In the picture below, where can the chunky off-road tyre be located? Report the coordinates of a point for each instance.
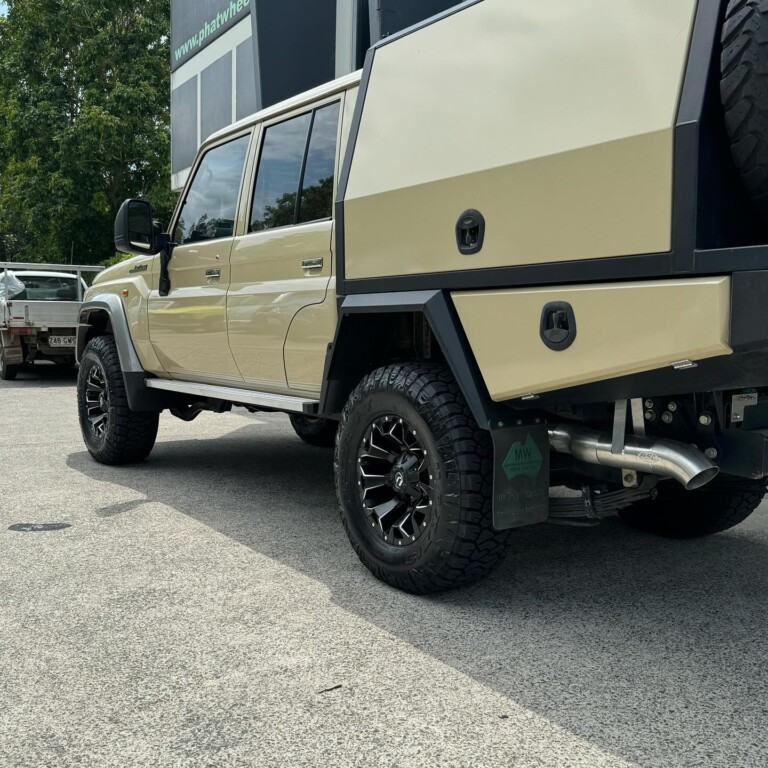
(318, 432)
(414, 476)
(680, 514)
(7, 372)
(744, 91)
(113, 433)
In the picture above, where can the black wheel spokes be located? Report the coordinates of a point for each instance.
(394, 481)
(97, 401)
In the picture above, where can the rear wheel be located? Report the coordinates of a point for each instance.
(680, 514)
(113, 433)
(744, 92)
(315, 431)
(414, 475)
(7, 372)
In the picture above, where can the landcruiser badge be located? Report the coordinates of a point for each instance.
(139, 268)
(523, 460)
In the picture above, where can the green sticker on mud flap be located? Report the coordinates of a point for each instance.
(521, 476)
(523, 459)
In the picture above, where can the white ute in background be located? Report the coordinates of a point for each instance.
(39, 313)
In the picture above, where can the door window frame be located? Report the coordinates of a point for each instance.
(249, 131)
(257, 145)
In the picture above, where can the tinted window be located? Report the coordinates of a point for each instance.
(211, 204)
(279, 178)
(277, 184)
(317, 189)
(48, 288)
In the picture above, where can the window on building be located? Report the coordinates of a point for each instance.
(210, 207)
(294, 183)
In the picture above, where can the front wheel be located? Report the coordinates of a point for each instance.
(414, 477)
(680, 514)
(113, 433)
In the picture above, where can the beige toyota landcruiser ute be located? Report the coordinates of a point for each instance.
(526, 248)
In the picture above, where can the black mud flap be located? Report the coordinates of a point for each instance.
(520, 476)
(743, 452)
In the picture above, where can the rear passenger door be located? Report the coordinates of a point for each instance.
(283, 263)
(187, 327)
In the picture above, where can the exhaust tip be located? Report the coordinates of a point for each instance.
(702, 478)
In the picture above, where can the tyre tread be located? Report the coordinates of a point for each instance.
(134, 432)
(477, 547)
(744, 93)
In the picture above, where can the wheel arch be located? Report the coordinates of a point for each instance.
(372, 331)
(105, 314)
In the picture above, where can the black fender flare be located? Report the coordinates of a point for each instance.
(105, 313)
(342, 371)
(110, 305)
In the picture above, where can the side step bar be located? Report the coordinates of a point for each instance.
(238, 396)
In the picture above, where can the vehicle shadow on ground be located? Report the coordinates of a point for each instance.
(42, 374)
(590, 628)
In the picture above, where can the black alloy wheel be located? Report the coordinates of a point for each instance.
(394, 481)
(97, 401)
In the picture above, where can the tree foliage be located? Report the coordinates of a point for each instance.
(84, 123)
(316, 204)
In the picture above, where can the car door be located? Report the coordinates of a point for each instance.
(283, 263)
(187, 328)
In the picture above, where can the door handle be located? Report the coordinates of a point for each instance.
(213, 273)
(312, 263)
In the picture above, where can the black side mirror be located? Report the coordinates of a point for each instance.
(134, 229)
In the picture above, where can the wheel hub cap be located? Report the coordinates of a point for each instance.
(394, 481)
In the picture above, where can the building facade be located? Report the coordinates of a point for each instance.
(231, 58)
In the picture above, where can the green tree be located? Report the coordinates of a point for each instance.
(84, 123)
(316, 204)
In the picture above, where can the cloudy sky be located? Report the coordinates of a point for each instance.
(3, 8)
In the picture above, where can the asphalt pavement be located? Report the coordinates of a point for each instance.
(205, 609)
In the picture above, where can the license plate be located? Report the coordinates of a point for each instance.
(61, 341)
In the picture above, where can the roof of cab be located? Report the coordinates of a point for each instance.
(307, 97)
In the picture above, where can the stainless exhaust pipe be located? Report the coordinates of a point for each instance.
(665, 458)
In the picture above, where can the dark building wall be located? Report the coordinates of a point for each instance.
(247, 96)
(183, 125)
(295, 41)
(216, 96)
(390, 16)
(197, 23)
